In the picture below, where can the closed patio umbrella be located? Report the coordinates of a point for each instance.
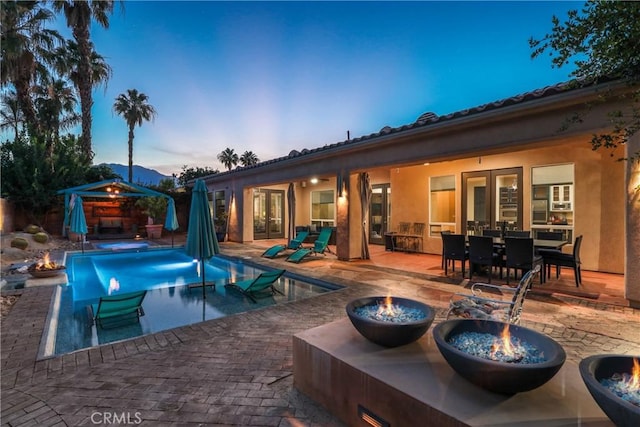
(201, 239)
(291, 198)
(77, 221)
(171, 223)
(364, 186)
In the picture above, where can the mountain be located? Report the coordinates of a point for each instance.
(141, 175)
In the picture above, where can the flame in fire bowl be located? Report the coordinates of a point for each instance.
(390, 332)
(40, 273)
(595, 369)
(495, 375)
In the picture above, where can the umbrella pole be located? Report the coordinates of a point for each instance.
(171, 238)
(82, 243)
(204, 294)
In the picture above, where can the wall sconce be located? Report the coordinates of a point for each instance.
(303, 184)
(314, 180)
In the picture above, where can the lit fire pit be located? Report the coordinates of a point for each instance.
(45, 268)
(390, 322)
(497, 356)
(614, 383)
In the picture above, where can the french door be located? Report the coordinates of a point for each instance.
(379, 213)
(268, 214)
(490, 199)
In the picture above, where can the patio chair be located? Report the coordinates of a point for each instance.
(560, 259)
(320, 246)
(492, 302)
(262, 282)
(294, 244)
(113, 310)
(520, 255)
(455, 249)
(517, 233)
(483, 253)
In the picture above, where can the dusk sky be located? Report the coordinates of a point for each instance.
(273, 77)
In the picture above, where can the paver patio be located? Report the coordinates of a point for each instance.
(238, 370)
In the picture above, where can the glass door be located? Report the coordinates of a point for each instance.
(379, 213)
(492, 199)
(268, 208)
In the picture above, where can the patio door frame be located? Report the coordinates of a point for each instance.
(385, 214)
(273, 199)
(490, 195)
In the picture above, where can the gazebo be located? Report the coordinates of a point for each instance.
(107, 205)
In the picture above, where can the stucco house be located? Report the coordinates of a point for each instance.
(510, 163)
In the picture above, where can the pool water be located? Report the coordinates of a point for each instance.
(169, 302)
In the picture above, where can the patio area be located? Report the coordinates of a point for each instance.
(239, 370)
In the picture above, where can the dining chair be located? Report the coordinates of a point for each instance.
(518, 233)
(520, 255)
(483, 253)
(550, 235)
(560, 259)
(492, 232)
(454, 249)
(441, 233)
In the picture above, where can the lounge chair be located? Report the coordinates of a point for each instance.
(262, 282)
(485, 301)
(294, 244)
(113, 309)
(320, 246)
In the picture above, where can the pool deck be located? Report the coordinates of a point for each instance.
(238, 370)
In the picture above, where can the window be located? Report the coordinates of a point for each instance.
(442, 204)
(323, 208)
(552, 204)
(219, 210)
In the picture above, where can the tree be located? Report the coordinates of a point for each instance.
(228, 158)
(602, 42)
(133, 106)
(25, 42)
(79, 15)
(249, 158)
(11, 114)
(32, 187)
(189, 174)
(55, 104)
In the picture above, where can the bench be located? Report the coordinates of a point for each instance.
(110, 225)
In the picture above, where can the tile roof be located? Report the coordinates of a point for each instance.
(427, 119)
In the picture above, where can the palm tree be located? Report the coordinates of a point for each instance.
(249, 158)
(11, 114)
(66, 61)
(228, 158)
(24, 43)
(55, 102)
(79, 15)
(133, 106)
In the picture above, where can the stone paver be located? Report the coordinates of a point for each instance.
(238, 370)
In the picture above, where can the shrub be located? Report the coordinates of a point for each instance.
(41, 237)
(20, 243)
(32, 229)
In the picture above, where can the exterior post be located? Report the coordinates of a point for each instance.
(342, 219)
(632, 224)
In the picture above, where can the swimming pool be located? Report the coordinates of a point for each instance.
(169, 302)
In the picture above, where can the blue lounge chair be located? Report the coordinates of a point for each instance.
(114, 309)
(294, 244)
(320, 246)
(263, 282)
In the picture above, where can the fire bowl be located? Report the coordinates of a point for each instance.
(496, 376)
(390, 334)
(49, 272)
(599, 367)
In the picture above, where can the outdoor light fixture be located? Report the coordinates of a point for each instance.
(370, 418)
(314, 180)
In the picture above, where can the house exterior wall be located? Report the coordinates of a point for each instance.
(598, 196)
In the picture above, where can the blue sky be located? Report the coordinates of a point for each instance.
(272, 77)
